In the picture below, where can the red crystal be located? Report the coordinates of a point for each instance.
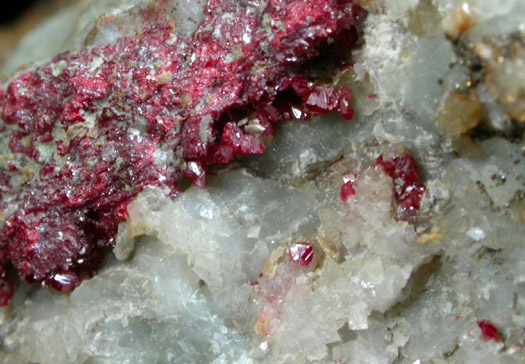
(182, 99)
(344, 108)
(301, 253)
(488, 330)
(408, 187)
(235, 142)
(322, 100)
(347, 190)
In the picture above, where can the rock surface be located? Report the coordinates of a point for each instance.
(394, 238)
(88, 131)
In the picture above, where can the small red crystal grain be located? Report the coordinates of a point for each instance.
(302, 253)
(488, 330)
(347, 190)
(408, 187)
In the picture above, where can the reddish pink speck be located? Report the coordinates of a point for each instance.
(488, 330)
(302, 253)
(372, 96)
(347, 190)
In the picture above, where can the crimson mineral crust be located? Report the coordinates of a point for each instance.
(90, 130)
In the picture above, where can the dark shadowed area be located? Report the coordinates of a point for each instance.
(21, 17)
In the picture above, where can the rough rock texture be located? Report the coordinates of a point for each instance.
(394, 238)
(88, 131)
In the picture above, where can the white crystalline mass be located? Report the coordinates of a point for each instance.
(496, 167)
(185, 285)
(160, 315)
(380, 255)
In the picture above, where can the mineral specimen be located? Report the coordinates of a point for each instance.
(396, 237)
(92, 129)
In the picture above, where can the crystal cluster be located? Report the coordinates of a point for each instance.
(86, 132)
(396, 237)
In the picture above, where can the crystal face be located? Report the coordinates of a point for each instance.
(302, 253)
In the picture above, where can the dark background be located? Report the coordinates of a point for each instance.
(14, 9)
(18, 17)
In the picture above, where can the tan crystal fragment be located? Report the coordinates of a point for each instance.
(276, 258)
(433, 236)
(505, 75)
(459, 21)
(460, 114)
